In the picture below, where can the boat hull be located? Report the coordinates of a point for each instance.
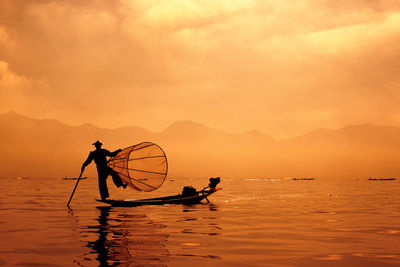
(176, 199)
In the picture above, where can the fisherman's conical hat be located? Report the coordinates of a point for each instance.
(97, 143)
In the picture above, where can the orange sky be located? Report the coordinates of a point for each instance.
(282, 67)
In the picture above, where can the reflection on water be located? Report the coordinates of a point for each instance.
(123, 238)
(126, 236)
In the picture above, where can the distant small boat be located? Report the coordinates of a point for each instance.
(303, 179)
(381, 179)
(73, 178)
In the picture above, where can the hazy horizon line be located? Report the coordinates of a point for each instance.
(200, 123)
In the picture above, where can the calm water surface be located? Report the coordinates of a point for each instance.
(251, 222)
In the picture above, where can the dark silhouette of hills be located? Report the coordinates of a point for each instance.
(47, 147)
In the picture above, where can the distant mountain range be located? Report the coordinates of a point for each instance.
(37, 148)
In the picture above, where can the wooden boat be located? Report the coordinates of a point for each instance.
(176, 199)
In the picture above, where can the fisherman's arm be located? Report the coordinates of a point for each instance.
(87, 161)
(113, 154)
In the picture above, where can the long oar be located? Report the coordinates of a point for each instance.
(76, 185)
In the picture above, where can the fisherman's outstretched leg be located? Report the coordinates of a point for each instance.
(116, 178)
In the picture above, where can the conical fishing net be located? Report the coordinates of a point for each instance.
(143, 166)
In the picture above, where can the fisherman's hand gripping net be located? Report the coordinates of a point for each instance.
(143, 166)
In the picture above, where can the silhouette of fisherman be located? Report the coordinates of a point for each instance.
(100, 158)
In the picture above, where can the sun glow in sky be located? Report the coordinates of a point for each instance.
(282, 67)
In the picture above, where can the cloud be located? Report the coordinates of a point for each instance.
(281, 67)
(18, 92)
(5, 39)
